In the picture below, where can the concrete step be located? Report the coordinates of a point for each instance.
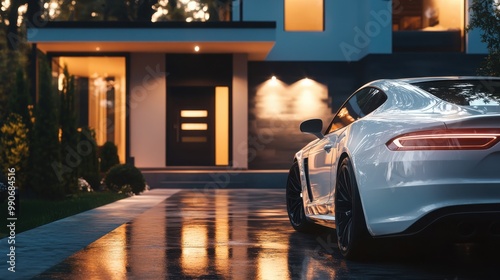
(215, 179)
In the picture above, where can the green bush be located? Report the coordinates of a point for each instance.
(125, 178)
(89, 167)
(14, 147)
(109, 156)
(45, 153)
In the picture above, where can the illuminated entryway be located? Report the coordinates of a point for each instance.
(100, 95)
(198, 126)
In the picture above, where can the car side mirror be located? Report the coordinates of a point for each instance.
(314, 126)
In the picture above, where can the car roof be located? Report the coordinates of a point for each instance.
(446, 78)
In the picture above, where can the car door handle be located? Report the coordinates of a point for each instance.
(328, 147)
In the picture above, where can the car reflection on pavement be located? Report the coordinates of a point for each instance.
(239, 234)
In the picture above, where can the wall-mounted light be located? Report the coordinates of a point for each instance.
(196, 48)
(97, 48)
(273, 78)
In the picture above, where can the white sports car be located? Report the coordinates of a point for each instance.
(400, 158)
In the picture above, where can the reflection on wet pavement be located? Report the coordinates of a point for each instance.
(241, 234)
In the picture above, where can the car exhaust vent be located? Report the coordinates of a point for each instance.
(495, 228)
(466, 229)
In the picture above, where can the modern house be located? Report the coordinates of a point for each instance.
(229, 95)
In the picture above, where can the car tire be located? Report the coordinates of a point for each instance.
(295, 203)
(352, 235)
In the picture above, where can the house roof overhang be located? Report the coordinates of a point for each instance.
(253, 38)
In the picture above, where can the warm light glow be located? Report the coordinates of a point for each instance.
(194, 258)
(194, 126)
(221, 126)
(97, 48)
(196, 48)
(302, 100)
(96, 69)
(309, 94)
(272, 265)
(304, 15)
(194, 113)
(60, 82)
(436, 15)
(274, 81)
(115, 266)
(222, 233)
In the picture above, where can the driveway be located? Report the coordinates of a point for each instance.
(243, 234)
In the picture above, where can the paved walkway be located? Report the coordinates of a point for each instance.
(41, 248)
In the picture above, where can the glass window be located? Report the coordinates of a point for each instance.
(428, 25)
(100, 87)
(377, 98)
(475, 93)
(303, 15)
(359, 105)
(428, 15)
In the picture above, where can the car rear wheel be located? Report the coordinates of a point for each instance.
(294, 202)
(352, 234)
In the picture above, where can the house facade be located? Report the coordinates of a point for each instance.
(230, 94)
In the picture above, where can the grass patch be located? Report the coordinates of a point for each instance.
(37, 212)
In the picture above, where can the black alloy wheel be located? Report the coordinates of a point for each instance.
(352, 234)
(294, 202)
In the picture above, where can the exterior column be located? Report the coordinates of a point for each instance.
(240, 112)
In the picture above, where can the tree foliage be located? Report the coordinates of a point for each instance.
(108, 156)
(46, 157)
(486, 16)
(70, 156)
(14, 147)
(88, 168)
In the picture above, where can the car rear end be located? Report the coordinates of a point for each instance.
(445, 181)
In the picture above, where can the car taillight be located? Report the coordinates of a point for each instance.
(477, 139)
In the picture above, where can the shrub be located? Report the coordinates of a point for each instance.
(108, 156)
(125, 178)
(89, 166)
(45, 150)
(69, 133)
(14, 147)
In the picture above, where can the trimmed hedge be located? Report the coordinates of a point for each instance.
(125, 178)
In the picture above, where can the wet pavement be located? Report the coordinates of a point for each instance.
(245, 234)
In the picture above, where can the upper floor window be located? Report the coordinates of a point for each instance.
(441, 22)
(303, 15)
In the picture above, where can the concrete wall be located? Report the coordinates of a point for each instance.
(274, 136)
(352, 30)
(147, 109)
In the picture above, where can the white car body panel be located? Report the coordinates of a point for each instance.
(397, 188)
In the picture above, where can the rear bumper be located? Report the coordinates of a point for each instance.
(465, 223)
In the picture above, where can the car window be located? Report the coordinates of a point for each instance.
(377, 98)
(465, 92)
(359, 105)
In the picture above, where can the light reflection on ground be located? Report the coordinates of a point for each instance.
(244, 234)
